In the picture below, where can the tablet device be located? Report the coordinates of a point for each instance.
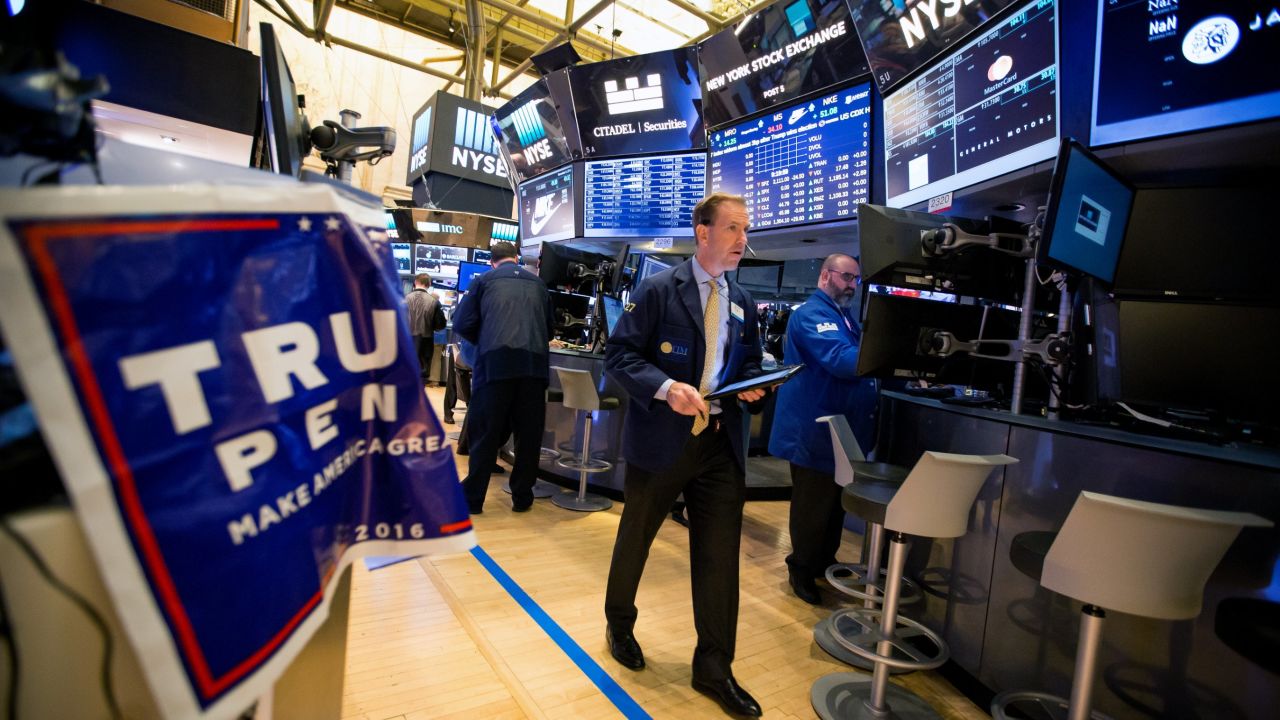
(768, 380)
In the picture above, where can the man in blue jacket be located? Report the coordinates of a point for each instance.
(821, 335)
(506, 313)
(688, 331)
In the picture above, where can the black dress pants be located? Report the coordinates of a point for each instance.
(714, 492)
(521, 405)
(817, 519)
(425, 345)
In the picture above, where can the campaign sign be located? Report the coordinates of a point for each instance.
(228, 385)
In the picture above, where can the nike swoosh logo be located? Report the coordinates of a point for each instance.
(537, 223)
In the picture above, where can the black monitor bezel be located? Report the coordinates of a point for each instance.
(1045, 243)
(283, 138)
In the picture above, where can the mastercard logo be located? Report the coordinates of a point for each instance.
(1000, 68)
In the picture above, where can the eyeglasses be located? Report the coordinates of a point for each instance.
(848, 277)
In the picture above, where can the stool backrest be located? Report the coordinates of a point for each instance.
(935, 498)
(579, 389)
(1138, 557)
(844, 446)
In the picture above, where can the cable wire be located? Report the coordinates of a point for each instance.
(79, 601)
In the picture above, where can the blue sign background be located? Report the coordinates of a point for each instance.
(115, 289)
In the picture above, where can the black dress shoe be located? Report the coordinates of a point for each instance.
(804, 588)
(624, 648)
(520, 508)
(730, 695)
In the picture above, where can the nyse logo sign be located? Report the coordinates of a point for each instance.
(474, 147)
(421, 141)
(934, 12)
(531, 133)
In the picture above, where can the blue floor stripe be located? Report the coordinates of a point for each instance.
(619, 697)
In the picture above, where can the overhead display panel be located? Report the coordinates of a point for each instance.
(641, 197)
(1172, 67)
(639, 104)
(546, 208)
(533, 137)
(986, 109)
(787, 50)
(899, 36)
(419, 148)
(805, 163)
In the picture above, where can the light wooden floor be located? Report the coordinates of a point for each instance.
(440, 638)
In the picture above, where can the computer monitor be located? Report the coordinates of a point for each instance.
(612, 313)
(1088, 212)
(808, 162)
(287, 133)
(649, 103)
(895, 341)
(547, 207)
(988, 108)
(561, 266)
(643, 196)
(899, 37)
(890, 243)
(1196, 66)
(761, 279)
(481, 256)
(532, 131)
(403, 253)
(651, 265)
(467, 272)
(785, 51)
(1212, 357)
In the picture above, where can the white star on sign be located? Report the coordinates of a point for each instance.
(332, 223)
(304, 224)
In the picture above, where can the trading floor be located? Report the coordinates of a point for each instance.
(442, 638)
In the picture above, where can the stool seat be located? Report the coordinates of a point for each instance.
(1028, 550)
(869, 500)
(880, 472)
(1251, 627)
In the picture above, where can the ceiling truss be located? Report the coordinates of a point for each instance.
(507, 33)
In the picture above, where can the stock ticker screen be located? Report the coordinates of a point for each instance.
(806, 163)
(641, 196)
(989, 108)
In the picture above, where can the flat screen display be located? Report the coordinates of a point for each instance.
(789, 49)
(639, 104)
(1088, 212)
(1176, 66)
(902, 35)
(612, 312)
(441, 261)
(986, 109)
(546, 207)
(533, 137)
(419, 150)
(805, 163)
(639, 197)
(481, 256)
(467, 272)
(652, 265)
(504, 232)
(403, 253)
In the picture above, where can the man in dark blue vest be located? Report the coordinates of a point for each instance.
(688, 331)
(506, 313)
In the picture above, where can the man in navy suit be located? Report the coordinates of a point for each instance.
(688, 331)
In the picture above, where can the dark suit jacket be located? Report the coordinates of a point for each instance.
(660, 336)
(506, 314)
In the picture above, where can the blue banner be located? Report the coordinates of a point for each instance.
(248, 386)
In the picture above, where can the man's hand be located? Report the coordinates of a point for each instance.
(686, 400)
(751, 396)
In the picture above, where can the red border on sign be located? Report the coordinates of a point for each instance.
(37, 237)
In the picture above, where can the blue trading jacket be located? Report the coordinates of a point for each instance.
(820, 335)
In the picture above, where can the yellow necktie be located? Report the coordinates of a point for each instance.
(711, 331)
